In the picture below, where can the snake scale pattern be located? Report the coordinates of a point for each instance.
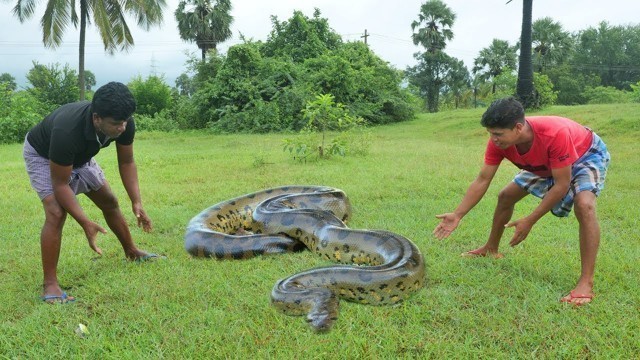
(374, 267)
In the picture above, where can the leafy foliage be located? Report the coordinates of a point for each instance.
(9, 81)
(611, 53)
(108, 18)
(551, 44)
(19, 112)
(545, 94)
(263, 87)
(152, 94)
(300, 37)
(492, 60)
(432, 30)
(322, 115)
(606, 95)
(433, 26)
(89, 80)
(203, 23)
(159, 122)
(53, 85)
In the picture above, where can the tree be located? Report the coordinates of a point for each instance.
(492, 60)
(108, 17)
(434, 24)
(52, 85)
(551, 44)
(457, 80)
(184, 85)
(89, 80)
(610, 52)
(429, 76)
(524, 88)
(433, 31)
(9, 81)
(204, 24)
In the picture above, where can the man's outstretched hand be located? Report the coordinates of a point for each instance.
(448, 224)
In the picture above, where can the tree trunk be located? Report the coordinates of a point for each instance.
(524, 90)
(83, 28)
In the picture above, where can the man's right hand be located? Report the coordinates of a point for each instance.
(91, 230)
(448, 224)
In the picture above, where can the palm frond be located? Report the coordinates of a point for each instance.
(24, 9)
(54, 22)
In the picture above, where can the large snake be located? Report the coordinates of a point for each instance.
(385, 268)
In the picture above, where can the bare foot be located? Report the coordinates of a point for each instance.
(482, 252)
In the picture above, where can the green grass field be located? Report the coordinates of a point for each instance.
(193, 308)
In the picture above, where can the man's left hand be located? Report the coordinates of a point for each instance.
(143, 219)
(522, 229)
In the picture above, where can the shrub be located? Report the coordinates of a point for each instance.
(160, 122)
(322, 115)
(152, 95)
(23, 112)
(544, 90)
(606, 95)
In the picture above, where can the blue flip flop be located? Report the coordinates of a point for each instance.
(58, 299)
(149, 257)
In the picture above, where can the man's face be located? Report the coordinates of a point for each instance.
(109, 126)
(503, 138)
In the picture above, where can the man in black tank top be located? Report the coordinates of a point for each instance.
(59, 155)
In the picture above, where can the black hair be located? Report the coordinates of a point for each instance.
(503, 114)
(113, 100)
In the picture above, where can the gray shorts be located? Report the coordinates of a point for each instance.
(88, 177)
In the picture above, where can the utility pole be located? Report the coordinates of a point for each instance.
(365, 36)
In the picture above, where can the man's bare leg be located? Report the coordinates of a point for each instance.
(585, 210)
(50, 243)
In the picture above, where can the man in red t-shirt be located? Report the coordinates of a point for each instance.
(561, 161)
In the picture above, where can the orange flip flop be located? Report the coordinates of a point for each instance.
(573, 296)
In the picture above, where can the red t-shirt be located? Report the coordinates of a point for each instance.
(557, 142)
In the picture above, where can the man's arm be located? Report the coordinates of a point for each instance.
(66, 198)
(474, 194)
(561, 182)
(129, 176)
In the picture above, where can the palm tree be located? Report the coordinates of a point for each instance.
(108, 17)
(437, 19)
(551, 44)
(524, 88)
(433, 31)
(492, 61)
(204, 24)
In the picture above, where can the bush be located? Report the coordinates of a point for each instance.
(544, 90)
(152, 95)
(160, 122)
(20, 115)
(635, 94)
(606, 95)
(259, 117)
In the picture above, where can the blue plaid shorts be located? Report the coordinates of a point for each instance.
(587, 174)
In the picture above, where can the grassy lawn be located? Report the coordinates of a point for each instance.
(193, 308)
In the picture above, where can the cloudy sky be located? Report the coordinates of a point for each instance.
(160, 51)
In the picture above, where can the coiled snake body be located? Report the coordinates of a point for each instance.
(384, 268)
